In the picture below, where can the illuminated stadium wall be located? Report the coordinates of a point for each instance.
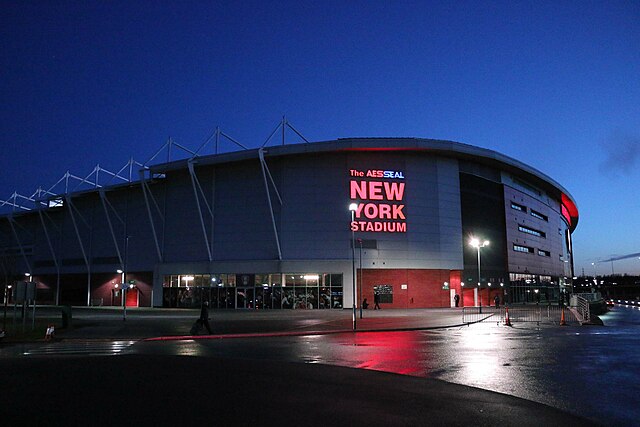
(271, 228)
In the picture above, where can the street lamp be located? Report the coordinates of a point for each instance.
(123, 290)
(353, 207)
(124, 279)
(475, 242)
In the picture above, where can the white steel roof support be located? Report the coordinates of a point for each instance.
(15, 234)
(195, 183)
(217, 133)
(84, 253)
(13, 202)
(145, 189)
(105, 202)
(283, 125)
(53, 254)
(265, 170)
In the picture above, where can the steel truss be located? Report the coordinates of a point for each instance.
(63, 191)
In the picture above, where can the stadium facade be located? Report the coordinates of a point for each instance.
(271, 228)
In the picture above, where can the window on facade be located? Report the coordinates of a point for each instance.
(539, 215)
(543, 253)
(531, 231)
(299, 290)
(525, 249)
(518, 207)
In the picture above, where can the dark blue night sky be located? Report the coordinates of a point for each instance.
(552, 84)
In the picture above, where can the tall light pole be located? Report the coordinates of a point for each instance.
(475, 242)
(353, 207)
(124, 279)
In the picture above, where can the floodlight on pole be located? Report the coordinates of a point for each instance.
(475, 242)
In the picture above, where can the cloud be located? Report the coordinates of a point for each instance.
(622, 153)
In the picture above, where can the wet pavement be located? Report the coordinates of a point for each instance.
(583, 370)
(589, 370)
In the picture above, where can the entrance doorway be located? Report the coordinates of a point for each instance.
(116, 297)
(132, 297)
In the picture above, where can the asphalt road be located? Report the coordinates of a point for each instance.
(177, 390)
(300, 376)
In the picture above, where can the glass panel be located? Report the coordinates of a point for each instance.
(326, 280)
(267, 297)
(276, 297)
(312, 298)
(169, 297)
(325, 297)
(261, 279)
(311, 279)
(288, 298)
(275, 279)
(336, 297)
(231, 280)
(243, 280)
(214, 280)
(241, 298)
(214, 297)
(185, 298)
(336, 280)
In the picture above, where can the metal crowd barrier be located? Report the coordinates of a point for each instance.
(583, 309)
(551, 314)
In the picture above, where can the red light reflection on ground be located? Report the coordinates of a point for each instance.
(397, 352)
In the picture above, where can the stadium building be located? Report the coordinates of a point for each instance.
(271, 228)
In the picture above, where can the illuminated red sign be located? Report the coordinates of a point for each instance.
(379, 197)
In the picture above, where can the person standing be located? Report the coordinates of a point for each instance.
(496, 300)
(456, 299)
(204, 316)
(376, 301)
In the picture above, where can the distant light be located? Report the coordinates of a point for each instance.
(119, 271)
(187, 277)
(501, 284)
(311, 277)
(353, 207)
(213, 279)
(461, 283)
(27, 274)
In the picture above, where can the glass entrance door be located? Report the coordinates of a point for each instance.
(245, 298)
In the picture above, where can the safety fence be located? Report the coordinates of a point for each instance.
(550, 314)
(583, 309)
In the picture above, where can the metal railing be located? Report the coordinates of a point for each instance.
(551, 314)
(583, 309)
(478, 314)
